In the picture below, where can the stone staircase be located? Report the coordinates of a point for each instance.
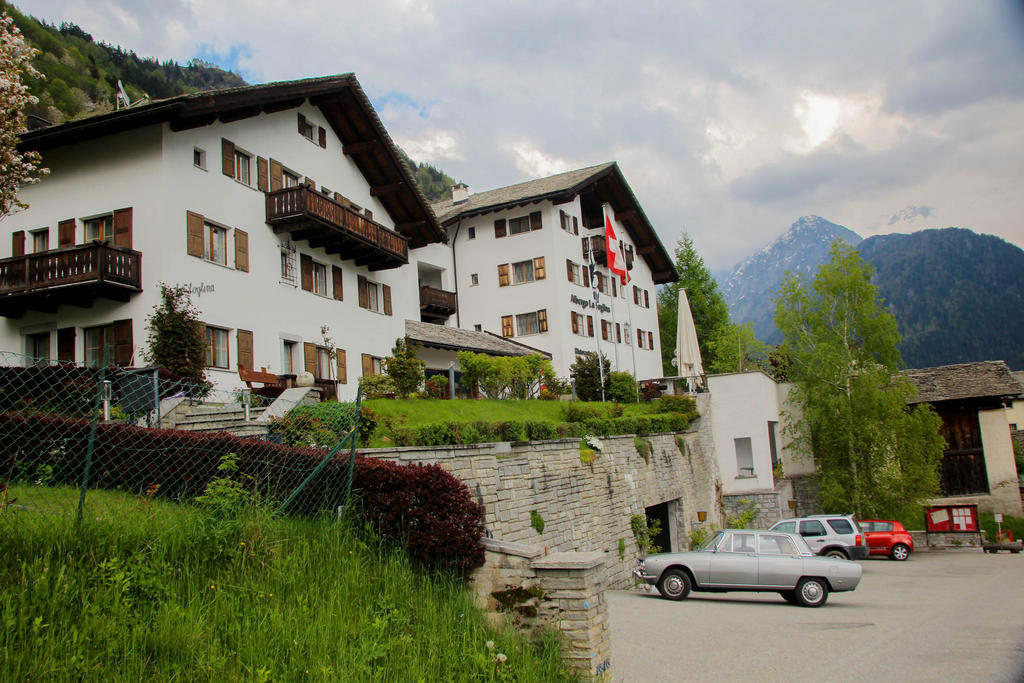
(226, 417)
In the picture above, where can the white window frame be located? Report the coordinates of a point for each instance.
(212, 231)
(101, 227)
(374, 297)
(289, 179)
(243, 167)
(309, 128)
(199, 158)
(43, 233)
(319, 278)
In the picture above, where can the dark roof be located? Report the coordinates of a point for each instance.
(456, 339)
(1019, 376)
(340, 98)
(985, 379)
(595, 185)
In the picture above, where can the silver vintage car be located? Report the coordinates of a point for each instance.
(751, 560)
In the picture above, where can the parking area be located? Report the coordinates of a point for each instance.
(941, 615)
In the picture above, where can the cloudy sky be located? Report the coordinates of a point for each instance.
(729, 119)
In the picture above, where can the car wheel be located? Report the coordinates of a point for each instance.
(837, 554)
(811, 592)
(789, 596)
(900, 552)
(674, 584)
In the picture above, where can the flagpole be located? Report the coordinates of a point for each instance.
(592, 268)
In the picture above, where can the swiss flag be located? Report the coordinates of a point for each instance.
(616, 261)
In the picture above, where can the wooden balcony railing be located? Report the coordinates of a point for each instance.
(437, 303)
(73, 275)
(314, 216)
(596, 248)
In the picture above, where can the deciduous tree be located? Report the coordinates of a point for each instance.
(874, 455)
(176, 337)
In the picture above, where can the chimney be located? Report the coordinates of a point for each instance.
(460, 193)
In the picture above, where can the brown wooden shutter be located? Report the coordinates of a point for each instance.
(339, 284)
(650, 340)
(542, 320)
(600, 281)
(503, 275)
(302, 124)
(66, 233)
(241, 250)
(387, 299)
(367, 364)
(563, 219)
(535, 221)
(323, 137)
(636, 295)
(590, 326)
(195, 234)
(647, 299)
(586, 275)
(640, 338)
(506, 326)
(499, 227)
(364, 291)
(575, 225)
(309, 357)
(123, 346)
(261, 174)
(618, 333)
(342, 366)
(568, 270)
(123, 228)
(615, 291)
(227, 157)
(604, 330)
(276, 175)
(538, 268)
(306, 270)
(66, 345)
(18, 243)
(575, 323)
(245, 349)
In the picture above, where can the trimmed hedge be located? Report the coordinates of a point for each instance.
(422, 506)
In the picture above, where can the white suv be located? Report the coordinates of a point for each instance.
(829, 535)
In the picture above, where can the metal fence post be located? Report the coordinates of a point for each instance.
(100, 390)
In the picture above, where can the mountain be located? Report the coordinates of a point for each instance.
(748, 287)
(957, 296)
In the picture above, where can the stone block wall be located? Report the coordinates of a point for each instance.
(586, 507)
(768, 507)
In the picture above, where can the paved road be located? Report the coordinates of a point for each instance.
(946, 615)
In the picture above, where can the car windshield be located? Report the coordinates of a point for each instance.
(711, 542)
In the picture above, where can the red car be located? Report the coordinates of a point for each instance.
(887, 537)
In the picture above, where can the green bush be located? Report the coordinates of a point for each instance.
(540, 430)
(377, 386)
(576, 411)
(586, 375)
(676, 404)
(404, 367)
(1013, 524)
(621, 387)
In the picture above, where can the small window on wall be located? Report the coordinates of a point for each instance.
(323, 363)
(243, 162)
(40, 240)
(478, 328)
(518, 225)
(288, 349)
(289, 271)
(99, 228)
(471, 234)
(474, 280)
(99, 346)
(319, 279)
(744, 457)
(215, 243)
(290, 179)
(199, 158)
(216, 347)
(37, 346)
(522, 272)
(527, 323)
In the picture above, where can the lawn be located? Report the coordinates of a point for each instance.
(150, 590)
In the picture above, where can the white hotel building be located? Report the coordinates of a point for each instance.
(286, 208)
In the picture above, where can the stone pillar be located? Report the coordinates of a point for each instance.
(575, 582)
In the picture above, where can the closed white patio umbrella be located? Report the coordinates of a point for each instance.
(688, 361)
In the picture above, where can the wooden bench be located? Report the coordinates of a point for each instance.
(271, 386)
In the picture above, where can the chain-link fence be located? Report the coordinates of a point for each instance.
(81, 443)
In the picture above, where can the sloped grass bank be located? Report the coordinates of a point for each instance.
(157, 591)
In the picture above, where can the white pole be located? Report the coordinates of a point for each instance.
(597, 313)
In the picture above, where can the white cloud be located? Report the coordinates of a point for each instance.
(534, 163)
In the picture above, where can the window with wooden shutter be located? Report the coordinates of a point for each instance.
(227, 157)
(364, 291)
(590, 326)
(339, 284)
(574, 319)
(342, 365)
(18, 243)
(535, 221)
(640, 338)
(66, 233)
(123, 228)
(575, 225)
(636, 295)
(618, 333)
(66, 345)
(604, 330)
(309, 358)
(367, 364)
(586, 277)
(542, 320)
(276, 175)
(245, 360)
(647, 299)
(538, 268)
(503, 275)
(241, 250)
(194, 222)
(506, 326)
(563, 219)
(499, 227)
(569, 270)
(124, 349)
(306, 271)
(261, 174)
(323, 137)
(387, 299)
(650, 340)
(615, 291)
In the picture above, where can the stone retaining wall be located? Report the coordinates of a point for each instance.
(769, 507)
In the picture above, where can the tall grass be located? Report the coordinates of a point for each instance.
(158, 591)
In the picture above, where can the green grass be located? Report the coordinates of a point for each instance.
(149, 590)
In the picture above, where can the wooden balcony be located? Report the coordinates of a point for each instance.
(596, 248)
(75, 276)
(436, 304)
(323, 222)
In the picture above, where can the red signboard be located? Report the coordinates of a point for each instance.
(951, 518)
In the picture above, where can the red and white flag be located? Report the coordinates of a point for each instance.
(616, 260)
